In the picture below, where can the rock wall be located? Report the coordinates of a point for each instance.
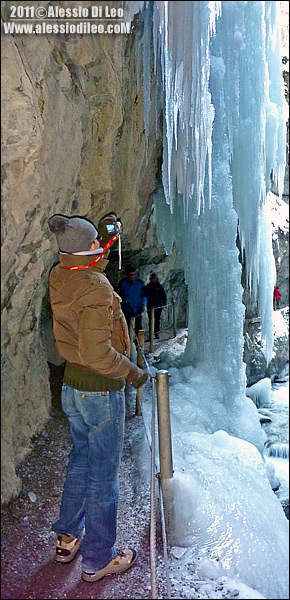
(74, 143)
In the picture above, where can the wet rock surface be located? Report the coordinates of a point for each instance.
(73, 143)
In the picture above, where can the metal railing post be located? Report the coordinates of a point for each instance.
(164, 429)
(165, 450)
(174, 318)
(131, 333)
(152, 323)
(140, 363)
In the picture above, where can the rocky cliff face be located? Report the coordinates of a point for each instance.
(74, 143)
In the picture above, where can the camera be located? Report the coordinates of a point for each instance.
(109, 226)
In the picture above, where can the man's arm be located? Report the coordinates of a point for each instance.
(95, 330)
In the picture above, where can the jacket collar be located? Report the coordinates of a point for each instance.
(70, 260)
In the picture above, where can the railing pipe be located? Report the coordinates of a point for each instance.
(140, 363)
(131, 333)
(164, 429)
(152, 324)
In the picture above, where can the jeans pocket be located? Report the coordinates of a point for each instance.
(66, 399)
(95, 408)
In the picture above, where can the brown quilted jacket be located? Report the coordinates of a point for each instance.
(89, 327)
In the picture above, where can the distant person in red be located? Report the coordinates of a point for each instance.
(277, 296)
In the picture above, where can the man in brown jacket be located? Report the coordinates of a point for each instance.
(91, 334)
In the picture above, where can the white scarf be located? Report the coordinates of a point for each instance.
(85, 252)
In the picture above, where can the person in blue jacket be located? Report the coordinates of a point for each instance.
(131, 290)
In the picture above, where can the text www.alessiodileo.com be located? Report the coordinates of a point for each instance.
(84, 27)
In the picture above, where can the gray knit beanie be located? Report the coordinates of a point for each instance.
(73, 234)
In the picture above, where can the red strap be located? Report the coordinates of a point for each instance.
(94, 262)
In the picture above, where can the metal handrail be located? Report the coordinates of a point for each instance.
(154, 585)
(155, 307)
(154, 467)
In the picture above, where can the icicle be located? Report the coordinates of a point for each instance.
(223, 141)
(147, 66)
(132, 8)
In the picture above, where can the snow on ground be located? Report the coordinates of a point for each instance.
(227, 528)
(279, 212)
(281, 326)
(260, 392)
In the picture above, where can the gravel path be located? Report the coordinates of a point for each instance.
(28, 545)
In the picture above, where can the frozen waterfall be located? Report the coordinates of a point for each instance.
(217, 79)
(218, 70)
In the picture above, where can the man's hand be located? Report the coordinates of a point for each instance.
(137, 377)
(140, 380)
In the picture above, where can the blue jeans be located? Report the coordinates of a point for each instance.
(90, 496)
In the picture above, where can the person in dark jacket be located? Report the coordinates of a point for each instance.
(131, 290)
(156, 298)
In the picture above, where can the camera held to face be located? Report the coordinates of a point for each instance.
(109, 226)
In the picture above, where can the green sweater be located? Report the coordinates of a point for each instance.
(89, 381)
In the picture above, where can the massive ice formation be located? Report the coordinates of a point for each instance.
(218, 70)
